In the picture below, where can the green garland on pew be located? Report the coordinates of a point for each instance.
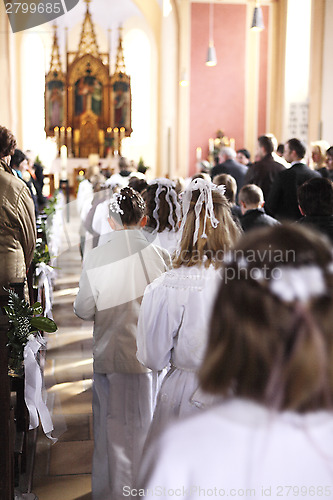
(25, 320)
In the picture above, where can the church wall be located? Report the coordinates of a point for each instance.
(8, 71)
(262, 69)
(327, 95)
(217, 94)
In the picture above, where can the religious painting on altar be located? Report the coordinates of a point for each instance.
(88, 96)
(121, 102)
(54, 108)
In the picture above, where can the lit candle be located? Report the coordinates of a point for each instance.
(62, 136)
(211, 145)
(56, 135)
(198, 153)
(116, 139)
(232, 143)
(122, 133)
(69, 140)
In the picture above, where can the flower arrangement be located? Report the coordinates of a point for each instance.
(25, 322)
(42, 253)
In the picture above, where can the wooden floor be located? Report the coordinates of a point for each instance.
(63, 470)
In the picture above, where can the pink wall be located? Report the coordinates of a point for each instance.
(262, 112)
(217, 94)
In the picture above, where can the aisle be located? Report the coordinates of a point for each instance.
(63, 470)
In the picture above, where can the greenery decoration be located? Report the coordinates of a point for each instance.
(42, 253)
(25, 320)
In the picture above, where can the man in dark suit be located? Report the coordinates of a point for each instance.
(230, 166)
(263, 172)
(282, 202)
(315, 198)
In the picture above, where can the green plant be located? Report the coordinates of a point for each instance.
(25, 320)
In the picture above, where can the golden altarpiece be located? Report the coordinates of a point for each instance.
(86, 108)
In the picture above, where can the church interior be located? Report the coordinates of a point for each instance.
(132, 79)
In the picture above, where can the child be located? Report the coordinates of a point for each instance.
(111, 287)
(230, 193)
(251, 200)
(163, 211)
(176, 308)
(269, 356)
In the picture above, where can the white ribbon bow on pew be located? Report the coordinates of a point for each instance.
(34, 387)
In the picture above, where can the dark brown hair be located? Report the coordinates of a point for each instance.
(315, 196)
(132, 205)
(7, 142)
(163, 211)
(261, 347)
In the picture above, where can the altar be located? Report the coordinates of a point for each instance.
(73, 169)
(87, 107)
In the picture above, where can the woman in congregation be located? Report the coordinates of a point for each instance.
(176, 308)
(17, 219)
(111, 287)
(163, 212)
(269, 358)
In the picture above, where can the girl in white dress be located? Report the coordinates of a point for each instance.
(163, 212)
(269, 356)
(111, 287)
(175, 311)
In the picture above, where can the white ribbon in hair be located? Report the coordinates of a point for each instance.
(168, 186)
(205, 188)
(297, 283)
(44, 275)
(33, 388)
(115, 203)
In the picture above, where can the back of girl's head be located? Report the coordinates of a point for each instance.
(137, 184)
(208, 229)
(230, 186)
(162, 204)
(127, 207)
(271, 330)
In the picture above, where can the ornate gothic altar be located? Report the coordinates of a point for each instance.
(88, 109)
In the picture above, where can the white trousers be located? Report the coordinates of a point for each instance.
(123, 406)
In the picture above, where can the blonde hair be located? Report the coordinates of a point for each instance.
(262, 347)
(208, 250)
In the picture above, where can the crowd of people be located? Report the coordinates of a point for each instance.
(212, 300)
(212, 303)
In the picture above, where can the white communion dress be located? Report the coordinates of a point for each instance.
(112, 284)
(172, 331)
(240, 449)
(165, 239)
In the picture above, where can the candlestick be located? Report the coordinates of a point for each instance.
(63, 156)
(62, 136)
(69, 140)
(56, 135)
(116, 140)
